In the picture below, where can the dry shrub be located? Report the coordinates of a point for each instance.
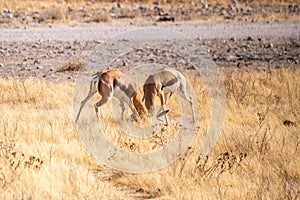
(4, 20)
(126, 13)
(100, 17)
(53, 14)
(73, 66)
(14, 162)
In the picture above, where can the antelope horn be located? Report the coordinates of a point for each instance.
(162, 113)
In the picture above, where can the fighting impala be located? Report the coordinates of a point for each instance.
(163, 83)
(112, 83)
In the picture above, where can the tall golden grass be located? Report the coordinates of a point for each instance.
(256, 157)
(35, 122)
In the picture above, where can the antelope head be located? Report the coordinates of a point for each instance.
(149, 97)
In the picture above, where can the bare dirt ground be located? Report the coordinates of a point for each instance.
(39, 38)
(42, 51)
(103, 31)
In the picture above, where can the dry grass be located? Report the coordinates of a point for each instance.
(257, 156)
(57, 5)
(35, 122)
(33, 4)
(73, 66)
(100, 17)
(53, 14)
(66, 11)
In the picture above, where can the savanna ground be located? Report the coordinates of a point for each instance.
(256, 157)
(43, 12)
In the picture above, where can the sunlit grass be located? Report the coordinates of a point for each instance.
(257, 155)
(258, 152)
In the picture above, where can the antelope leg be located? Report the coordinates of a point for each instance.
(162, 103)
(130, 104)
(185, 95)
(101, 102)
(123, 108)
(82, 104)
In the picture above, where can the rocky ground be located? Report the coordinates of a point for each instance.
(150, 13)
(57, 53)
(57, 60)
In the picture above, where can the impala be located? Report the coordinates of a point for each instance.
(112, 83)
(162, 83)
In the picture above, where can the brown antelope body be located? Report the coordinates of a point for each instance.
(112, 83)
(163, 83)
